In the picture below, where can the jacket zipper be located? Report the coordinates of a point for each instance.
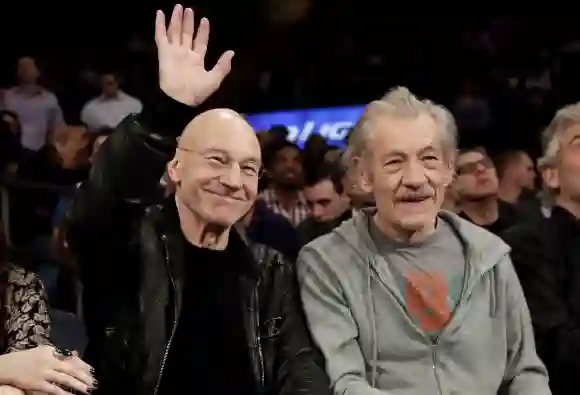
(259, 338)
(175, 321)
(464, 296)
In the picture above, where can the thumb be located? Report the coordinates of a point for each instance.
(223, 65)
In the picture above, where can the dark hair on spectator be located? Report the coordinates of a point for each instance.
(333, 171)
(505, 159)
(271, 150)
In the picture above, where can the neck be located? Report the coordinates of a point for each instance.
(200, 233)
(29, 87)
(286, 196)
(402, 235)
(482, 212)
(509, 192)
(569, 205)
(450, 205)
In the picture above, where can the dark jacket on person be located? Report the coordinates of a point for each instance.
(274, 230)
(546, 257)
(129, 249)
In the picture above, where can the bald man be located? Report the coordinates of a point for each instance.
(175, 300)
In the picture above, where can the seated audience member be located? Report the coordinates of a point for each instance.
(283, 164)
(517, 183)
(547, 256)
(28, 362)
(477, 185)
(405, 298)
(327, 200)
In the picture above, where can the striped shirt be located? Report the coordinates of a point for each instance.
(295, 215)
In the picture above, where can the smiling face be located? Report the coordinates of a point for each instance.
(216, 168)
(407, 172)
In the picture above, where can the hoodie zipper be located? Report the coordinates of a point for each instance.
(175, 320)
(465, 295)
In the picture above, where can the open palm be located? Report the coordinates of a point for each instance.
(182, 73)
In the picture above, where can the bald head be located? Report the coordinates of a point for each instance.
(221, 123)
(217, 166)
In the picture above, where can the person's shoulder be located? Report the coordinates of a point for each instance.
(527, 234)
(22, 278)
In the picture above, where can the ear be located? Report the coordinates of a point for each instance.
(365, 178)
(551, 177)
(174, 170)
(449, 171)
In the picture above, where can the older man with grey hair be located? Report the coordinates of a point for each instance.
(547, 257)
(405, 298)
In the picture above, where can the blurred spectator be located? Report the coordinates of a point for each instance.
(477, 184)
(37, 108)
(283, 163)
(328, 203)
(111, 107)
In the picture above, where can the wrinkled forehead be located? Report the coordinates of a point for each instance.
(236, 143)
(404, 135)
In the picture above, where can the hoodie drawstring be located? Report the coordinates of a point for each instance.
(373, 314)
(492, 291)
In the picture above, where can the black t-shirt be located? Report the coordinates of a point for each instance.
(509, 216)
(210, 354)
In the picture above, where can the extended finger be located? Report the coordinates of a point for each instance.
(71, 369)
(223, 65)
(67, 381)
(160, 28)
(201, 38)
(81, 365)
(188, 28)
(174, 30)
(51, 389)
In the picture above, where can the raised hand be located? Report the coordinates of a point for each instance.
(182, 72)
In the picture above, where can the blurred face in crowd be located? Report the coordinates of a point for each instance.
(27, 71)
(286, 168)
(216, 168)
(476, 176)
(325, 202)
(564, 174)
(109, 85)
(407, 171)
(521, 171)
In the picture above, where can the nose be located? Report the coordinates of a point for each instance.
(232, 177)
(317, 211)
(414, 175)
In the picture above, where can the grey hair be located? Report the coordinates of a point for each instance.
(399, 102)
(564, 119)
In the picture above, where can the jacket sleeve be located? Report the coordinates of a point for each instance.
(332, 325)
(126, 172)
(525, 373)
(124, 179)
(300, 365)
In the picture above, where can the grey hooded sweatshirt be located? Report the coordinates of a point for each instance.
(373, 346)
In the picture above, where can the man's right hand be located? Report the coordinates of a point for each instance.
(182, 73)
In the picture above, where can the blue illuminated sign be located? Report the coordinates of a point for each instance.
(333, 123)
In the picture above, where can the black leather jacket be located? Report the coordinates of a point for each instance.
(129, 250)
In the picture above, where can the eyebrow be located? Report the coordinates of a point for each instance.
(225, 153)
(422, 151)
